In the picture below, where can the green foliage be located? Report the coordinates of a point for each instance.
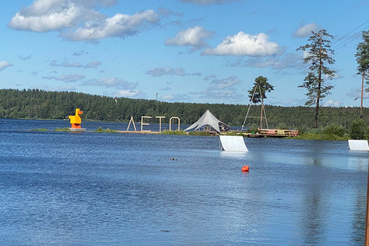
(167, 132)
(100, 129)
(334, 129)
(282, 126)
(199, 133)
(362, 54)
(39, 130)
(318, 136)
(258, 92)
(358, 129)
(65, 129)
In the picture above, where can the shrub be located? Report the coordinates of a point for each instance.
(357, 129)
(334, 129)
(199, 133)
(167, 132)
(282, 126)
(65, 129)
(106, 130)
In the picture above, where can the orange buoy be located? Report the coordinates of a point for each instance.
(245, 169)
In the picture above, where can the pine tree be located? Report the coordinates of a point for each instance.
(319, 53)
(258, 93)
(362, 58)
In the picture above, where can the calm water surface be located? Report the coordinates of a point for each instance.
(60, 188)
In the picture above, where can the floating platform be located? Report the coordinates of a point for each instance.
(77, 129)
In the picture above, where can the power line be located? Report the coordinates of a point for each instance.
(346, 39)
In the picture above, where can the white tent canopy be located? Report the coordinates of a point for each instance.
(206, 119)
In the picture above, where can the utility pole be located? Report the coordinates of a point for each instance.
(367, 210)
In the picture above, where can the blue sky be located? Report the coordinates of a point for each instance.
(202, 51)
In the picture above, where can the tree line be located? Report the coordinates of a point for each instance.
(39, 104)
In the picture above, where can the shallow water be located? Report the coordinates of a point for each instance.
(59, 188)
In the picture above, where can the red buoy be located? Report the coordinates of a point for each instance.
(245, 169)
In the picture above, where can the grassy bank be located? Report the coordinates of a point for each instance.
(106, 130)
(318, 136)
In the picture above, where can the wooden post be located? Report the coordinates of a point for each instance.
(261, 111)
(367, 210)
(160, 117)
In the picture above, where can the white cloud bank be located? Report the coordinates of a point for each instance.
(222, 88)
(194, 37)
(4, 64)
(130, 94)
(306, 31)
(78, 20)
(111, 82)
(161, 71)
(68, 78)
(243, 44)
(175, 97)
(331, 103)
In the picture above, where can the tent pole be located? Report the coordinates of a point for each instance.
(248, 110)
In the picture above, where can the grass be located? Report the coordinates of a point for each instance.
(199, 133)
(106, 130)
(167, 132)
(319, 136)
(39, 130)
(65, 129)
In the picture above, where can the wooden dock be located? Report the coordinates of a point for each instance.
(278, 133)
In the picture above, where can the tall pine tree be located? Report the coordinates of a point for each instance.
(319, 53)
(362, 58)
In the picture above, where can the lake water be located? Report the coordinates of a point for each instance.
(60, 188)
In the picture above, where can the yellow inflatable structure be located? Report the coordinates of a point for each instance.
(76, 120)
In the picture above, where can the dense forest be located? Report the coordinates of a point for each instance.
(38, 104)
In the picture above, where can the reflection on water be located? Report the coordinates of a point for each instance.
(126, 189)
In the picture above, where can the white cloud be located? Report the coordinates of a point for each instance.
(193, 36)
(130, 93)
(80, 53)
(93, 64)
(160, 71)
(175, 97)
(335, 76)
(50, 15)
(288, 102)
(356, 94)
(36, 73)
(24, 58)
(120, 25)
(4, 64)
(223, 89)
(66, 77)
(277, 62)
(331, 103)
(79, 19)
(111, 82)
(243, 44)
(306, 31)
(207, 2)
